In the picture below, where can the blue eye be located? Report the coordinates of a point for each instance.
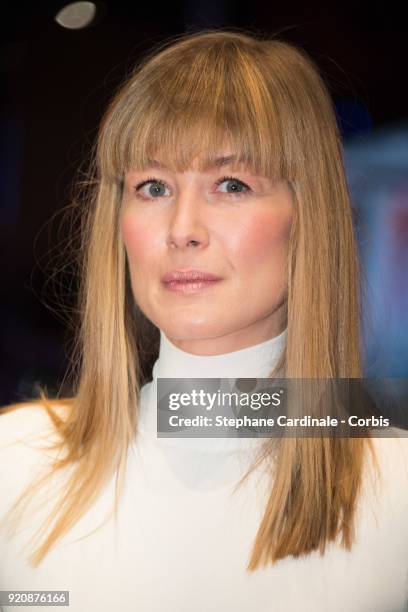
(152, 188)
(233, 185)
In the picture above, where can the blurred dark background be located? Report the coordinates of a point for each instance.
(57, 81)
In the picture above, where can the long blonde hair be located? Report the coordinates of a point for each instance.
(268, 98)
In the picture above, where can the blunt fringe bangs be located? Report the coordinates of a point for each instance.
(215, 94)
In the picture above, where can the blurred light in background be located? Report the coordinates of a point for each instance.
(76, 15)
(377, 174)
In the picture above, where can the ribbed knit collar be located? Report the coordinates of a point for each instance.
(204, 463)
(255, 361)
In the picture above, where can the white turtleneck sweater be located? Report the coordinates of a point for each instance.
(183, 538)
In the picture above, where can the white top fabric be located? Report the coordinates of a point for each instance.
(183, 538)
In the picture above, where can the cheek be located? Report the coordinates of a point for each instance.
(137, 237)
(264, 241)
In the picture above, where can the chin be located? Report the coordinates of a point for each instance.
(191, 331)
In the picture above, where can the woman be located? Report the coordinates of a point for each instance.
(220, 154)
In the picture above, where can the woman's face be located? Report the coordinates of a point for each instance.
(234, 225)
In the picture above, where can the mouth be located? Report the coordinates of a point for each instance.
(188, 274)
(190, 286)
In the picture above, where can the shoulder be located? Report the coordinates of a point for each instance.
(28, 439)
(25, 423)
(391, 459)
(392, 445)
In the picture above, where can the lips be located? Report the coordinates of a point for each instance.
(188, 276)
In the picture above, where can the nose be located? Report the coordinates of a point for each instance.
(186, 226)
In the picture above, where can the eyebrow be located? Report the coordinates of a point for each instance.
(218, 162)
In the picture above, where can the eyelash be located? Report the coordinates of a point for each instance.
(151, 179)
(234, 178)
